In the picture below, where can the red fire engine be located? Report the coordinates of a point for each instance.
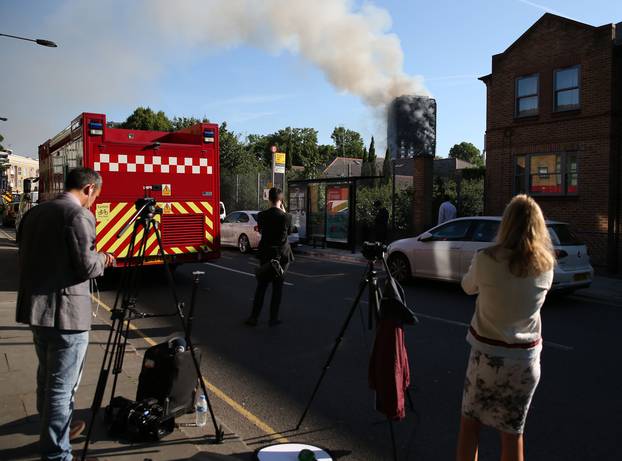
(183, 166)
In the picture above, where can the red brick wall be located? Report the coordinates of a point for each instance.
(553, 43)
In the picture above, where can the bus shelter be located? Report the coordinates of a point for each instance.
(324, 210)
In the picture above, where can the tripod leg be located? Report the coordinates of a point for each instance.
(219, 433)
(334, 351)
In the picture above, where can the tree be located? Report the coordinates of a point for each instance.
(467, 152)
(179, 123)
(234, 156)
(348, 143)
(143, 118)
(386, 168)
(327, 153)
(371, 157)
(1, 139)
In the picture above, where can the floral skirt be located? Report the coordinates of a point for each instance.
(498, 390)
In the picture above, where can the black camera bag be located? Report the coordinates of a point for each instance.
(170, 378)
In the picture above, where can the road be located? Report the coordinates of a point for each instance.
(261, 377)
(267, 374)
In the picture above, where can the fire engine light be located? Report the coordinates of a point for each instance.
(208, 135)
(96, 128)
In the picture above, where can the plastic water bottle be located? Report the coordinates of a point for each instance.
(201, 411)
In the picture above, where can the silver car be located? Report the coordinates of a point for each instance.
(445, 252)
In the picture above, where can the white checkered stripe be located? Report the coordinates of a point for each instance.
(129, 163)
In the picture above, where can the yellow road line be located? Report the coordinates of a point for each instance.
(255, 420)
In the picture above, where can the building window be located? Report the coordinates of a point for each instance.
(566, 83)
(546, 174)
(527, 95)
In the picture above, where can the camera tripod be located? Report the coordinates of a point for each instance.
(369, 281)
(124, 310)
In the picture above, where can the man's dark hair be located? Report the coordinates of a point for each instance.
(446, 198)
(377, 203)
(80, 177)
(275, 194)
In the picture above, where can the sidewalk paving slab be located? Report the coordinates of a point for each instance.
(19, 421)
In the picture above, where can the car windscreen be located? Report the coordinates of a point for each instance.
(562, 235)
(254, 215)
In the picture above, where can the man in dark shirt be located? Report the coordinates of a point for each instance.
(381, 222)
(274, 226)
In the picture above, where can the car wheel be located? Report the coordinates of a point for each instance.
(399, 267)
(244, 244)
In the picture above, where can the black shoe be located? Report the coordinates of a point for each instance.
(251, 322)
(274, 323)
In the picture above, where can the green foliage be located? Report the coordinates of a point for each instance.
(143, 118)
(348, 143)
(234, 155)
(472, 197)
(467, 152)
(365, 198)
(386, 168)
(470, 200)
(179, 123)
(327, 153)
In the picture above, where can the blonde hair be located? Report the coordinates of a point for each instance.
(524, 234)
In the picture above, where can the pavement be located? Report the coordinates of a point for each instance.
(19, 421)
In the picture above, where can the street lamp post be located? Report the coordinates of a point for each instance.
(38, 41)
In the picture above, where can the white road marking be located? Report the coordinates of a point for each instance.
(466, 325)
(239, 272)
(7, 235)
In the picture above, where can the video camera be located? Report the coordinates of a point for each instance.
(373, 251)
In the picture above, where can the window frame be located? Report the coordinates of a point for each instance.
(464, 238)
(556, 108)
(477, 222)
(517, 98)
(564, 173)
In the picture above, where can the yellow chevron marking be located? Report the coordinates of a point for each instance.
(191, 249)
(137, 240)
(155, 251)
(176, 250)
(113, 231)
(208, 206)
(209, 237)
(179, 208)
(113, 213)
(194, 208)
(209, 223)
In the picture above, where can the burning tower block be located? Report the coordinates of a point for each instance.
(411, 136)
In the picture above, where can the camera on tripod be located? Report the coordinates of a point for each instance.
(373, 251)
(147, 207)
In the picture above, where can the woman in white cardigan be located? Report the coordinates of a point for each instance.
(511, 280)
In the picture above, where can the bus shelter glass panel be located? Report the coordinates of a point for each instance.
(298, 208)
(317, 211)
(337, 213)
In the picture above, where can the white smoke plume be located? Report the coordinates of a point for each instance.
(351, 46)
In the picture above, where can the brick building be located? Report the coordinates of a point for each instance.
(554, 128)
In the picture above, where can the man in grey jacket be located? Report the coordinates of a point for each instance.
(57, 258)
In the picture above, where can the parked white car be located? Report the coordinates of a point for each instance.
(240, 229)
(445, 252)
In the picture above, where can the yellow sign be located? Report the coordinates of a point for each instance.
(166, 190)
(167, 209)
(102, 212)
(279, 158)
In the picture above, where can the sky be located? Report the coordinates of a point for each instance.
(260, 65)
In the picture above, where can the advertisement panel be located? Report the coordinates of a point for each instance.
(337, 213)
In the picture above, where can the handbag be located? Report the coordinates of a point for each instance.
(270, 270)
